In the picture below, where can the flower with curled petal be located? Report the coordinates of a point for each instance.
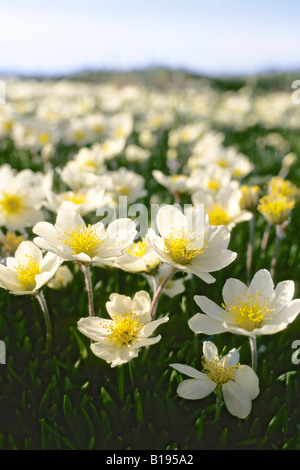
(118, 340)
(28, 271)
(238, 383)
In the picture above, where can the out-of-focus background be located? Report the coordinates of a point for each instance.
(218, 37)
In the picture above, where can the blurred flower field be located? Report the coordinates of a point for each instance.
(120, 335)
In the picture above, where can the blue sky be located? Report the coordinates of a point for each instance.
(211, 37)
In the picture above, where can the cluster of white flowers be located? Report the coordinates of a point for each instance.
(111, 134)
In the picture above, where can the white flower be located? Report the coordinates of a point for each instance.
(136, 154)
(189, 245)
(239, 383)
(175, 183)
(119, 339)
(124, 182)
(139, 257)
(28, 271)
(251, 311)
(224, 207)
(84, 201)
(21, 195)
(210, 179)
(71, 239)
(62, 278)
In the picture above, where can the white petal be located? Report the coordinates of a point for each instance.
(288, 314)
(248, 379)
(93, 327)
(263, 283)
(9, 280)
(145, 342)
(119, 304)
(210, 307)
(170, 217)
(195, 389)
(209, 350)
(50, 262)
(123, 228)
(231, 359)
(201, 323)
(233, 288)
(46, 230)
(150, 327)
(188, 370)
(67, 219)
(26, 249)
(110, 353)
(142, 304)
(237, 399)
(284, 293)
(196, 269)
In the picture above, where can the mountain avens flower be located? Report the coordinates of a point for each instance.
(190, 244)
(71, 239)
(251, 311)
(276, 208)
(238, 383)
(28, 271)
(118, 339)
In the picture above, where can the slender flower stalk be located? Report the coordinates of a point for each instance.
(279, 238)
(88, 282)
(253, 347)
(42, 301)
(250, 248)
(265, 238)
(218, 393)
(159, 290)
(153, 280)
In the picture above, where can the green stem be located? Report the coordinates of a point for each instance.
(279, 237)
(218, 393)
(250, 248)
(265, 238)
(88, 282)
(253, 348)
(159, 291)
(130, 374)
(41, 299)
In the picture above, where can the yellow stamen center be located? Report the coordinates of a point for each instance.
(11, 241)
(216, 370)
(283, 187)
(26, 273)
(222, 163)
(138, 249)
(179, 245)
(275, 208)
(123, 329)
(44, 137)
(214, 185)
(11, 204)
(249, 311)
(217, 214)
(76, 198)
(83, 239)
(123, 190)
(175, 178)
(249, 197)
(79, 134)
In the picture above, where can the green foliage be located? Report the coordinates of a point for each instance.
(73, 400)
